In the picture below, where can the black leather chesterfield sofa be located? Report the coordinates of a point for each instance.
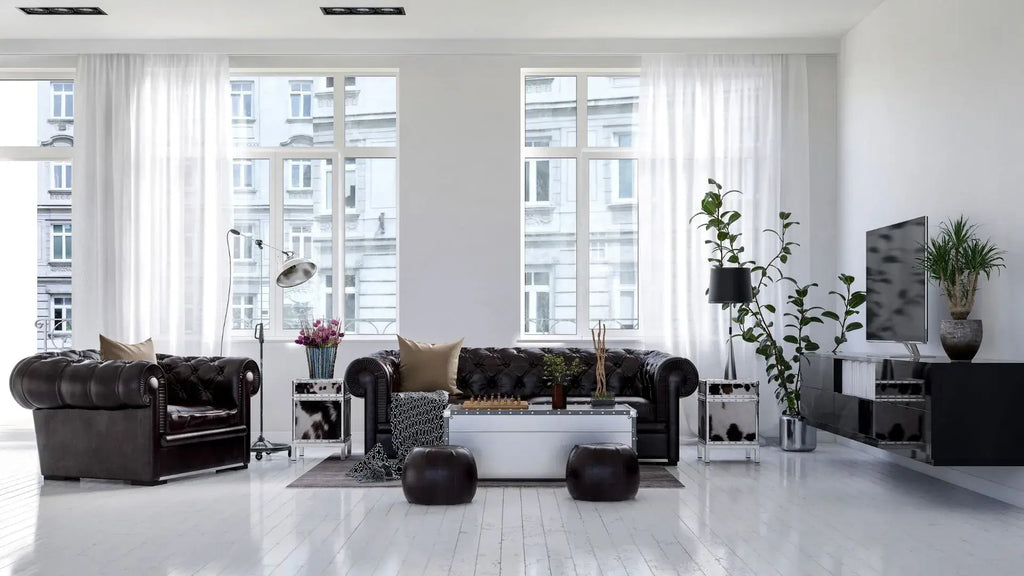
(650, 381)
(136, 421)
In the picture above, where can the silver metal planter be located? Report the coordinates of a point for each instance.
(796, 435)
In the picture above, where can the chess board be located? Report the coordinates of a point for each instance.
(495, 403)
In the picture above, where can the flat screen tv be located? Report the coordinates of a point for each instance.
(896, 286)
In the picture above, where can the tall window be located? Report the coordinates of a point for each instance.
(301, 97)
(242, 247)
(326, 190)
(300, 174)
(63, 100)
(243, 311)
(241, 99)
(579, 160)
(60, 236)
(60, 309)
(241, 175)
(60, 178)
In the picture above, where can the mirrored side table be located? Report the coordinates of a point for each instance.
(728, 413)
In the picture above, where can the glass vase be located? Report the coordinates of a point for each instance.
(321, 362)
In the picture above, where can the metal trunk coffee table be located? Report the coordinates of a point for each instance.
(534, 444)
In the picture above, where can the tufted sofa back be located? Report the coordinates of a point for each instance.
(520, 371)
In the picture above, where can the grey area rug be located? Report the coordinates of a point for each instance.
(331, 474)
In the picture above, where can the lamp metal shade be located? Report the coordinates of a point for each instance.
(296, 271)
(730, 286)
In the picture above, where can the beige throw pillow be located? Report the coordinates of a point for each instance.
(114, 350)
(428, 367)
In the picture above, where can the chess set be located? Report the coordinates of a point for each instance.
(495, 403)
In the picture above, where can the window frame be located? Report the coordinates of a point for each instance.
(583, 154)
(247, 171)
(337, 154)
(69, 318)
(243, 92)
(66, 173)
(65, 235)
(305, 100)
(64, 96)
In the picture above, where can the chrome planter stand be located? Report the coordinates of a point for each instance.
(796, 435)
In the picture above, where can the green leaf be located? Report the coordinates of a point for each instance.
(784, 215)
(857, 299)
(812, 347)
(854, 326)
(838, 340)
(790, 339)
(831, 315)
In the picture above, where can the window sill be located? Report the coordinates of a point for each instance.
(299, 119)
(60, 262)
(540, 206)
(55, 120)
(621, 204)
(244, 120)
(244, 190)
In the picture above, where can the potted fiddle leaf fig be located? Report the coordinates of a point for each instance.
(956, 259)
(781, 335)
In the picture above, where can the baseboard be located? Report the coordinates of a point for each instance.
(952, 475)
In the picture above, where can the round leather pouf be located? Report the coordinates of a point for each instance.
(602, 472)
(439, 475)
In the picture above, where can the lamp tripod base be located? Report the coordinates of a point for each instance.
(263, 446)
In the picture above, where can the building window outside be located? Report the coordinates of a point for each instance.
(301, 98)
(241, 247)
(60, 309)
(241, 175)
(300, 174)
(537, 303)
(60, 238)
(63, 100)
(583, 279)
(241, 100)
(300, 240)
(538, 181)
(350, 185)
(243, 311)
(60, 176)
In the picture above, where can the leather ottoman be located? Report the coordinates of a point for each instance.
(439, 475)
(602, 472)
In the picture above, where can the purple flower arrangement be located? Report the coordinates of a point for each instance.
(321, 334)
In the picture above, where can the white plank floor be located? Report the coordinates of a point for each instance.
(833, 512)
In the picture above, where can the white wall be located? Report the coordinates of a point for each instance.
(931, 118)
(459, 245)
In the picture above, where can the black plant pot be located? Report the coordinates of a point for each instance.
(961, 339)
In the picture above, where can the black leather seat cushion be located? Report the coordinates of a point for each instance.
(193, 418)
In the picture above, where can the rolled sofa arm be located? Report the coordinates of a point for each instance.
(226, 379)
(71, 380)
(377, 372)
(669, 377)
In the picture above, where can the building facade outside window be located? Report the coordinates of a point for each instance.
(241, 175)
(579, 168)
(295, 144)
(61, 176)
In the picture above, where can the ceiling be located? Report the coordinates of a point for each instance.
(440, 19)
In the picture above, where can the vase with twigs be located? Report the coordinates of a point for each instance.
(600, 398)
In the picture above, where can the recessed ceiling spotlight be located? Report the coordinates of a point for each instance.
(63, 11)
(362, 11)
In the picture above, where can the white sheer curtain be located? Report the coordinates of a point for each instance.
(706, 116)
(152, 200)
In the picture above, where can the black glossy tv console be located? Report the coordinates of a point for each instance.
(941, 412)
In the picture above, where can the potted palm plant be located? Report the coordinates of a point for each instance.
(955, 259)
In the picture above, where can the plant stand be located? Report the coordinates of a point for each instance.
(729, 416)
(321, 415)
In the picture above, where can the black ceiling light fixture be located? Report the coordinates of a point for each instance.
(63, 11)
(362, 11)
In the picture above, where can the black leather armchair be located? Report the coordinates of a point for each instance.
(136, 421)
(650, 381)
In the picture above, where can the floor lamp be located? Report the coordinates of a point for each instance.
(730, 285)
(294, 272)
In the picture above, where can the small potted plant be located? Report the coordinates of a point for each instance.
(321, 339)
(955, 260)
(559, 374)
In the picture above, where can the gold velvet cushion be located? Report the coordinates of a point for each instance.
(428, 367)
(114, 350)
